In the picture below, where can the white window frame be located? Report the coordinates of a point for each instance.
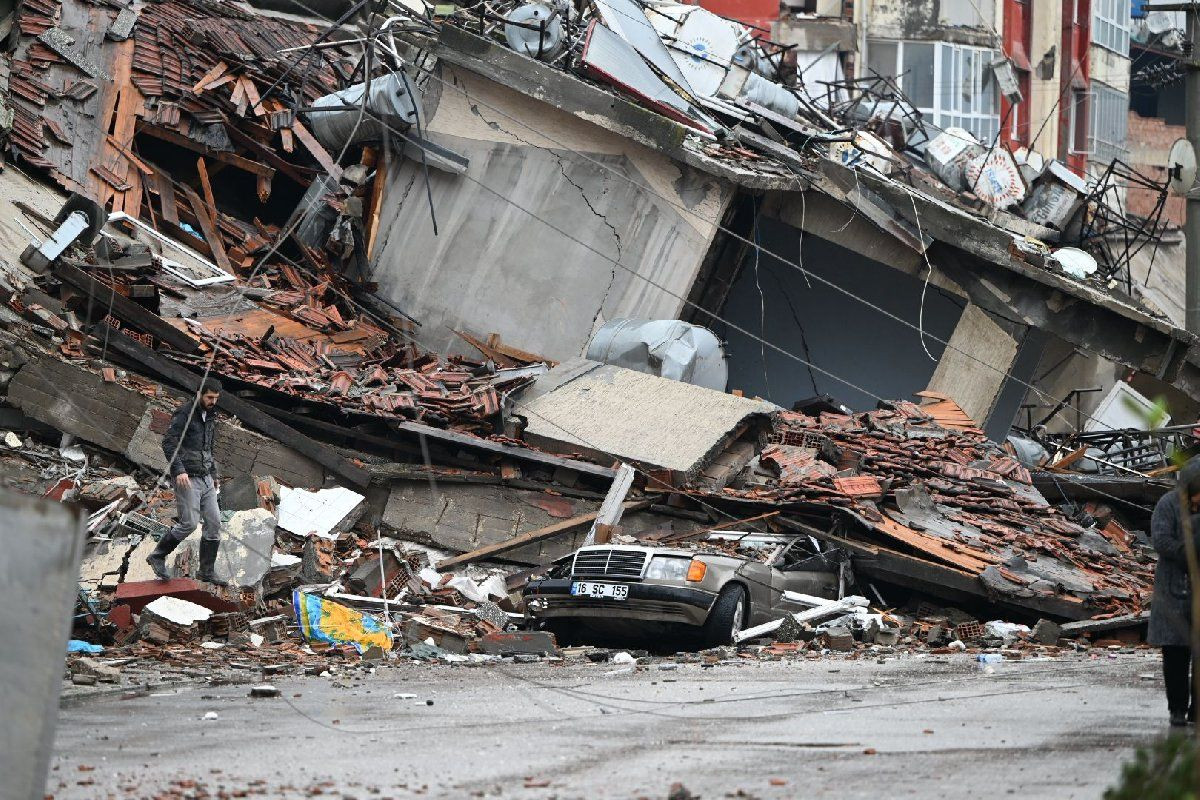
(947, 66)
(1111, 25)
(1116, 103)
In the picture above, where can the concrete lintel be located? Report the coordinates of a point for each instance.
(591, 103)
(814, 35)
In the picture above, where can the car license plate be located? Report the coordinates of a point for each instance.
(614, 591)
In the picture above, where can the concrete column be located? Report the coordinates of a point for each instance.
(42, 542)
(972, 370)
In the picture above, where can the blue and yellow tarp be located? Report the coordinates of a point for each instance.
(322, 620)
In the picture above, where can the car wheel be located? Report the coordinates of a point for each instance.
(726, 616)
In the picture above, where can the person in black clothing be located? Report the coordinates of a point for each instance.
(188, 446)
(1171, 607)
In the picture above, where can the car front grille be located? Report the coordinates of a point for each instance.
(609, 563)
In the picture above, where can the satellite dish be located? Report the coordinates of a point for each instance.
(1181, 167)
(537, 31)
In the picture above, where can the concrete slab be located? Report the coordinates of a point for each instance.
(610, 412)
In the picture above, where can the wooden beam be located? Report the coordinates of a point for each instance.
(267, 154)
(452, 440)
(125, 309)
(548, 532)
(166, 197)
(232, 159)
(249, 415)
(211, 235)
(318, 152)
(609, 515)
(206, 187)
(1067, 460)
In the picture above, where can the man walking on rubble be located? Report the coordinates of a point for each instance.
(1171, 607)
(188, 446)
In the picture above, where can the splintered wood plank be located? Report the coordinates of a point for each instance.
(211, 235)
(166, 198)
(381, 164)
(263, 185)
(238, 98)
(206, 186)
(209, 77)
(256, 104)
(122, 107)
(318, 152)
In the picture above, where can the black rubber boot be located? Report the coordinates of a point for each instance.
(208, 561)
(158, 559)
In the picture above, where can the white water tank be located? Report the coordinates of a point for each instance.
(668, 348)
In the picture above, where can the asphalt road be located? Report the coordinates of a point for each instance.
(913, 727)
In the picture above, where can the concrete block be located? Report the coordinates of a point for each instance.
(138, 570)
(417, 631)
(519, 642)
(1047, 632)
(839, 638)
(102, 565)
(462, 517)
(247, 539)
(105, 673)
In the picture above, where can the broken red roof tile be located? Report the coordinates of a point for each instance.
(860, 486)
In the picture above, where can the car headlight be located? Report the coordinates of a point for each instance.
(668, 568)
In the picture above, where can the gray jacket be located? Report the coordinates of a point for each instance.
(1171, 608)
(188, 442)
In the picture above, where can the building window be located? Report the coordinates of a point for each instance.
(950, 84)
(1109, 116)
(1110, 25)
(1080, 141)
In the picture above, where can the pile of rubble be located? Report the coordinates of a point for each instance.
(110, 319)
(745, 102)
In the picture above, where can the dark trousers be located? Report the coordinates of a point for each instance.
(1177, 674)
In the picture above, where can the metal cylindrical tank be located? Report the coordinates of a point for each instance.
(392, 97)
(669, 348)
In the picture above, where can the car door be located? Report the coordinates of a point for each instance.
(765, 590)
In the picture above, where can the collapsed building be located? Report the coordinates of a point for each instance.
(395, 258)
